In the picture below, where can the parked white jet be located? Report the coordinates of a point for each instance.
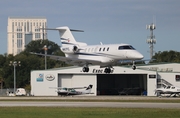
(81, 54)
(64, 91)
(169, 90)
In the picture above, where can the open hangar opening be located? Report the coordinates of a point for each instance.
(107, 84)
(121, 84)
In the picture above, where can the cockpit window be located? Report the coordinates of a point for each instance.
(126, 47)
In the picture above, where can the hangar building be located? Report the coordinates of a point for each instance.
(142, 81)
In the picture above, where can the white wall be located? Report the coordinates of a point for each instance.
(151, 85)
(40, 85)
(170, 77)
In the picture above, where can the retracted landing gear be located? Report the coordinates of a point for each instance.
(107, 70)
(85, 69)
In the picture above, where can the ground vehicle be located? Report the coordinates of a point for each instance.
(20, 92)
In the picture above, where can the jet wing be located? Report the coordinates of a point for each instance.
(61, 58)
(70, 60)
(68, 88)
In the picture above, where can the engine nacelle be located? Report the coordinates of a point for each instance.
(75, 49)
(70, 49)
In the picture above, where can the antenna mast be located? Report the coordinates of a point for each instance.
(151, 39)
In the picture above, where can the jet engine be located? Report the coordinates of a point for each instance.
(70, 49)
(75, 49)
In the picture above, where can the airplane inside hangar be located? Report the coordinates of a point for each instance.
(107, 84)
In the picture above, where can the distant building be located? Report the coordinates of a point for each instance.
(22, 30)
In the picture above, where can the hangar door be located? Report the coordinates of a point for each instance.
(121, 84)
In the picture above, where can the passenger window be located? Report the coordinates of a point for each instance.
(104, 49)
(99, 49)
(108, 49)
(95, 49)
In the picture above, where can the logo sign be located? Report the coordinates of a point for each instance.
(40, 77)
(97, 71)
(152, 76)
(50, 77)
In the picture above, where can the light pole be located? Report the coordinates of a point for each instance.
(15, 63)
(45, 50)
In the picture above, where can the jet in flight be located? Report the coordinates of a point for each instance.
(64, 91)
(105, 55)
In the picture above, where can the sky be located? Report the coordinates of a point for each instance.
(106, 21)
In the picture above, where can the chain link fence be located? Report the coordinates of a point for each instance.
(10, 92)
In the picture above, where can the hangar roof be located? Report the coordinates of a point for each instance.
(147, 68)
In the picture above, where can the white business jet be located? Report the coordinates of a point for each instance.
(81, 54)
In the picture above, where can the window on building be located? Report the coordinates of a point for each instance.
(25, 27)
(19, 35)
(12, 26)
(37, 35)
(19, 43)
(177, 78)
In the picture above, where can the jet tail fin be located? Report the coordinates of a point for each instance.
(65, 35)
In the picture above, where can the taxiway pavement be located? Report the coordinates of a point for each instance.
(89, 104)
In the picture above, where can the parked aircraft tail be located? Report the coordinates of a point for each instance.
(88, 89)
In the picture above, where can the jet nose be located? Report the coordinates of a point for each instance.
(134, 55)
(139, 56)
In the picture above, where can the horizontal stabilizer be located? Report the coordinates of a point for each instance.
(60, 28)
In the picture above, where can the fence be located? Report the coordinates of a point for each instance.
(9, 92)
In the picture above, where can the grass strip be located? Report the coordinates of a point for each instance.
(57, 112)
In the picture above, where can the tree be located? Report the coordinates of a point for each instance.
(29, 62)
(37, 46)
(166, 56)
